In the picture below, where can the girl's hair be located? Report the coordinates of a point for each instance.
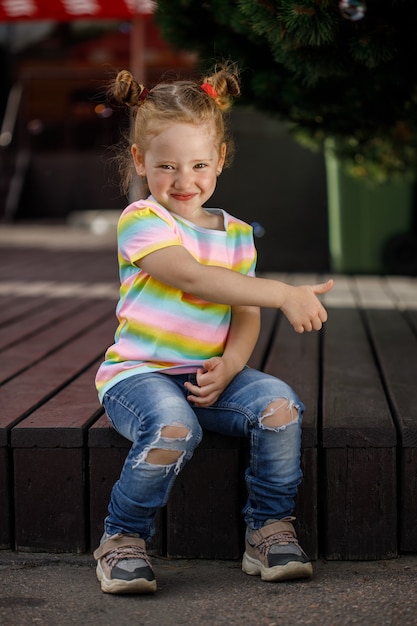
(180, 101)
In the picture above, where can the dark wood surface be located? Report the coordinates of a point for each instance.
(398, 364)
(59, 458)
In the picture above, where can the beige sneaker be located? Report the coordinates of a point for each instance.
(123, 565)
(273, 552)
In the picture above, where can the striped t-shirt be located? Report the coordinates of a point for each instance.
(161, 327)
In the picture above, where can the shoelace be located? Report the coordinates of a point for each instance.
(280, 537)
(124, 553)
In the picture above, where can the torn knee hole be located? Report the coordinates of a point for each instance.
(279, 413)
(161, 456)
(174, 432)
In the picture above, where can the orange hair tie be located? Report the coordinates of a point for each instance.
(209, 89)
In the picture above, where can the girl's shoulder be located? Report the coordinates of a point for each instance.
(232, 220)
(144, 208)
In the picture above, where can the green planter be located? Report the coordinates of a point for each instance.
(369, 226)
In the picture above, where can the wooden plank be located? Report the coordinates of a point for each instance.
(394, 338)
(5, 494)
(396, 348)
(50, 507)
(59, 264)
(360, 504)
(99, 265)
(36, 348)
(62, 421)
(22, 329)
(404, 290)
(14, 264)
(373, 292)
(33, 387)
(412, 317)
(12, 309)
(359, 447)
(50, 486)
(355, 409)
(102, 435)
(342, 295)
(408, 498)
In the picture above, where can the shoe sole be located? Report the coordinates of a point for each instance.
(289, 571)
(139, 585)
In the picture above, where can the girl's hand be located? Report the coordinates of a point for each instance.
(303, 309)
(212, 380)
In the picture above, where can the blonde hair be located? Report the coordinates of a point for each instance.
(180, 101)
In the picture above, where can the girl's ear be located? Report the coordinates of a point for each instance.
(222, 158)
(138, 161)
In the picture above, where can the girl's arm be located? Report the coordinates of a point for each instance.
(218, 372)
(175, 266)
(243, 335)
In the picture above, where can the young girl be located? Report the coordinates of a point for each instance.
(188, 321)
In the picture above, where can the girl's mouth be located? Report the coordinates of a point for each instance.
(182, 197)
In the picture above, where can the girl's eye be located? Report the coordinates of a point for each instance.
(166, 167)
(200, 166)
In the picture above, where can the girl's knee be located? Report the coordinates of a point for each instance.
(172, 444)
(279, 413)
(162, 456)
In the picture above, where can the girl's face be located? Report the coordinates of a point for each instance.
(181, 164)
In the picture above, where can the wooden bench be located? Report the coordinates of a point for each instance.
(59, 458)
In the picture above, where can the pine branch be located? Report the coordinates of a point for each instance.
(326, 75)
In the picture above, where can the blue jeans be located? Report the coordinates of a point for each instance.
(141, 406)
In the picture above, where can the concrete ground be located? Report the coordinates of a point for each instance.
(58, 590)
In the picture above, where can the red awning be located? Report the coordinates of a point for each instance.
(69, 10)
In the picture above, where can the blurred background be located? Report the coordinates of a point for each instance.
(57, 130)
(332, 76)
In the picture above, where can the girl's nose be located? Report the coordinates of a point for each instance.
(182, 179)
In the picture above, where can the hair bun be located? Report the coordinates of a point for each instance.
(126, 90)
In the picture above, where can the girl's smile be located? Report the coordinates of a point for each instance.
(183, 197)
(181, 164)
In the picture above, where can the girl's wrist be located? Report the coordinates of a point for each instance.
(234, 363)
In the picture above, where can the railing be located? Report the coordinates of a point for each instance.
(14, 158)
(10, 116)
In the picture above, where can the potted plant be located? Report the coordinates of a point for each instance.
(341, 73)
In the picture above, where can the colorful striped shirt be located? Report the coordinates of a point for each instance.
(161, 327)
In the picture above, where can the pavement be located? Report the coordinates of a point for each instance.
(61, 589)
(57, 590)
(96, 230)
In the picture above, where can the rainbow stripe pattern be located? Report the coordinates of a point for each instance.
(160, 327)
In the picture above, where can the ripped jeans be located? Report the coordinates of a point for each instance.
(153, 412)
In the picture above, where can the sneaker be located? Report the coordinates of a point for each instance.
(273, 552)
(123, 565)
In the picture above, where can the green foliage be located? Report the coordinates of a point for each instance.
(302, 61)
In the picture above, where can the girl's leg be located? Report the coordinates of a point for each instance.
(152, 411)
(268, 411)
